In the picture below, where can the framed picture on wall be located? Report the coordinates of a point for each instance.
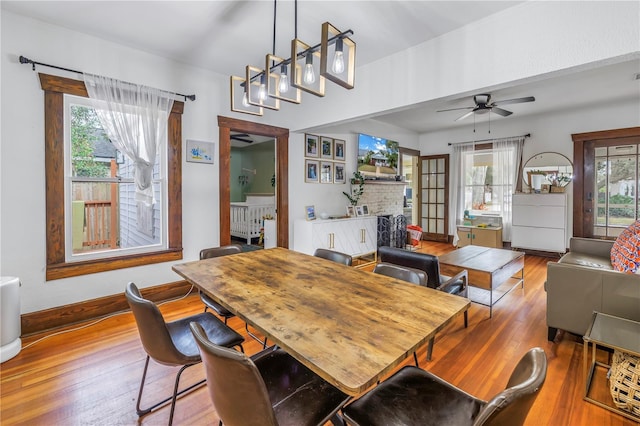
(326, 148)
(311, 145)
(311, 172)
(338, 173)
(338, 149)
(326, 172)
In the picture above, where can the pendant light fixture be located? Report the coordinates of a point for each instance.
(306, 69)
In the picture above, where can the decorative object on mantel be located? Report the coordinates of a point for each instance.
(356, 193)
(310, 212)
(282, 79)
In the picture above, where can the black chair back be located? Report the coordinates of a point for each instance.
(425, 262)
(153, 331)
(334, 256)
(235, 385)
(511, 406)
(412, 275)
(208, 253)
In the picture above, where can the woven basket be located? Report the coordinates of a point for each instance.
(624, 382)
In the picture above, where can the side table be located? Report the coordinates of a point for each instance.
(614, 333)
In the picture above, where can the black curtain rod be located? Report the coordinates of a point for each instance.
(24, 60)
(528, 135)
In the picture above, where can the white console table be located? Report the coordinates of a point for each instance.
(356, 236)
(540, 222)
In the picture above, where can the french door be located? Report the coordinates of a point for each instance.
(434, 197)
(606, 183)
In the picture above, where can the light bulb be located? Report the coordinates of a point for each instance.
(245, 100)
(309, 76)
(338, 58)
(262, 93)
(284, 80)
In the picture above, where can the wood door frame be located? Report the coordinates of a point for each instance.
(582, 143)
(225, 126)
(430, 236)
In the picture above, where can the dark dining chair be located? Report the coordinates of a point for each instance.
(171, 343)
(412, 275)
(209, 303)
(457, 285)
(413, 396)
(334, 256)
(270, 388)
(209, 253)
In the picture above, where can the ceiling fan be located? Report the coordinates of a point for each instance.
(484, 105)
(242, 137)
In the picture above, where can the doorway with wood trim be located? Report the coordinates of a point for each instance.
(227, 125)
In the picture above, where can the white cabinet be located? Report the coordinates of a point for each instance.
(540, 222)
(354, 236)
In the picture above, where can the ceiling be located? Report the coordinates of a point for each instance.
(225, 36)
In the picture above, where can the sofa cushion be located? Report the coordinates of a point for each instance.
(586, 260)
(625, 253)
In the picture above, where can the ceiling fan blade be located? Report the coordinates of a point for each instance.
(465, 116)
(514, 101)
(454, 109)
(238, 138)
(500, 111)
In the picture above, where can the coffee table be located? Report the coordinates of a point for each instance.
(491, 271)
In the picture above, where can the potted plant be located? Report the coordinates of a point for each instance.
(356, 193)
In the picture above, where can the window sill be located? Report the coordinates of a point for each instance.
(66, 270)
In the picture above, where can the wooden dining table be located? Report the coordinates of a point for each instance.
(352, 327)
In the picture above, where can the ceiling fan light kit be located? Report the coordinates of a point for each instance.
(306, 70)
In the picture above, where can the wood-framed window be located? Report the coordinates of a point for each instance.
(58, 265)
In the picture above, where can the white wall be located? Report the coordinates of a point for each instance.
(22, 154)
(521, 42)
(549, 132)
(516, 45)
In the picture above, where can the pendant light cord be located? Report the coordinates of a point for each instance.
(275, 14)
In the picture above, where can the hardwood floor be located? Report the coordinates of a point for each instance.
(91, 375)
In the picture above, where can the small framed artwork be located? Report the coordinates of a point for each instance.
(338, 149)
(310, 212)
(351, 211)
(359, 211)
(310, 145)
(365, 210)
(311, 172)
(326, 172)
(326, 148)
(338, 173)
(199, 151)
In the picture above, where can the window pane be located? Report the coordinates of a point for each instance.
(105, 215)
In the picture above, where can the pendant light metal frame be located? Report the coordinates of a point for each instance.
(330, 36)
(237, 85)
(253, 81)
(272, 67)
(299, 52)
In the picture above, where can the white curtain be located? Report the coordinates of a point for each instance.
(507, 157)
(135, 119)
(461, 164)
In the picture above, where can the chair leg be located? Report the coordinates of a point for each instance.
(142, 411)
(430, 348)
(415, 358)
(466, 319)
(264, 344)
